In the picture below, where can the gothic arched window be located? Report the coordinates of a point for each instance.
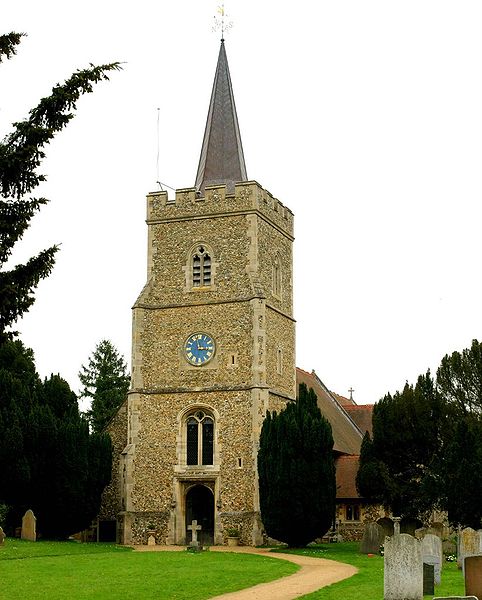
(199, 439)
(201, 267)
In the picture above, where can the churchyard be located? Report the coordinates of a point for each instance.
(58, 570)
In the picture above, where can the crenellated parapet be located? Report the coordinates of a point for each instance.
(248, 197)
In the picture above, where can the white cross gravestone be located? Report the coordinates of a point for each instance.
(194, 527)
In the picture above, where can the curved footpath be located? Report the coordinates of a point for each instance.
(314, 574)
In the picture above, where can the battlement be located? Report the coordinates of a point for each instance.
(248, 196)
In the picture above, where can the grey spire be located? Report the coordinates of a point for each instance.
(222, 159)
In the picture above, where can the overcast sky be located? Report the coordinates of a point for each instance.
(362, 116)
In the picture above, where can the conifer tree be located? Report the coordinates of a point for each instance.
(296, 472)
(105, 380)
(21, 153)
(49, 460)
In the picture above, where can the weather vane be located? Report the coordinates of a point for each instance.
(220, 22)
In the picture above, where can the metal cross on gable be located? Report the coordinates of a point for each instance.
(194, 527)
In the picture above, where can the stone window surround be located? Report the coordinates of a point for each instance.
(189, 267)
(181, 440)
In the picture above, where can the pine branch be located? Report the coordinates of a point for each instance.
(22, 150)
(8, 43)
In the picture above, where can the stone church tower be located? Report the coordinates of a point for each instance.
(213, 349)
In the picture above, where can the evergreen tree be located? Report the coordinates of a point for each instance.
(459, 379)
(49, 460)
(21, 153)
(397, 465)
(106, 382)
(296, 472)
(460, 470)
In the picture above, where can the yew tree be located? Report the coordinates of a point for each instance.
(296, 472)
(21, 153)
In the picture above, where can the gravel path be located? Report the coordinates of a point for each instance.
(314, 574)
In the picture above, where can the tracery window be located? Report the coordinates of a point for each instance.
(199, 439)
(201, 267)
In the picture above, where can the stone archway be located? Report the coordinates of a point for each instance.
(200, 507)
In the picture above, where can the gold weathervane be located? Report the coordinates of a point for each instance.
(220, 22)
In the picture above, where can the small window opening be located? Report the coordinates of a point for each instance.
(201, 268)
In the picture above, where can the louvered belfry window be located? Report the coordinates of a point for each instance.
(201, 268)
(199, 439)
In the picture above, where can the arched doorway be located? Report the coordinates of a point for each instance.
(200, 507)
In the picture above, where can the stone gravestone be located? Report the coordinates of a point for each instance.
(455, 598)
(473, 576)
(29, 526)
(428, 580)
(372, 538)
(432, 555)
(469, 544)
(194, 527)
(403, 568)
(2, 537)
(151, 540)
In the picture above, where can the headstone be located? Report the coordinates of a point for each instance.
(29, 526)
(194, 527)
(473, 576)
(396, 525)
(469, 544)
(151, 540)
(372, 538)
(428, 579)
(2, 537)
(432, 555)
(455, 598)
(403, 568)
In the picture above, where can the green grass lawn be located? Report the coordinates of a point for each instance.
(73, 571)
(367, 584)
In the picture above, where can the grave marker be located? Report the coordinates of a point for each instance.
(473, 576)
(432, 554)
(29, 527)
(428, 579)
(403, 568)
(2, 537)
(372, 538)
(194, 527)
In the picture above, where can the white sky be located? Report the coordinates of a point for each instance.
(362, 116)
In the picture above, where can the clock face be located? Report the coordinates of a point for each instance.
(199, 348)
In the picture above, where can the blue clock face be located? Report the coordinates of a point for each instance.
(199, 348)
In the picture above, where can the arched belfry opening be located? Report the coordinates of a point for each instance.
(200, 508)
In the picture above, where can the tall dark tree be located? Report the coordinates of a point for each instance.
(21, 153)
(407, 438)
(296, 472)
(49, 460)
(458, 474)
(106, 381)
(459, 379)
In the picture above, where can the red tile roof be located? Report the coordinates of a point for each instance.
(362, 415)
(346, 434)
(346, 470)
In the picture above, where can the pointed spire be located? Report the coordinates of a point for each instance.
(222, 158)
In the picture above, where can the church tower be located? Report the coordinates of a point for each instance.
(213, 348)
